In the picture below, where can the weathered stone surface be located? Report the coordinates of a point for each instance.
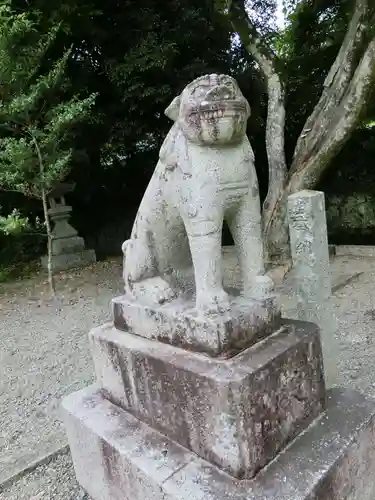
(236, 413)
(68, 249)
(62, 246)
(118, 457)
(65, 237)
(70, 260)
(311, 295)
(205, 174)
(179, 323)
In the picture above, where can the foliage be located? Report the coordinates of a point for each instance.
(12, 272)
(21, 241)
(308, 46)
(35, 114)
(136, 56)
(14, 223)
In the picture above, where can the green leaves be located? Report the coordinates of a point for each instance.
(37, 114)
(14, 223)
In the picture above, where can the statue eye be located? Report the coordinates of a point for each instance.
(200, 91)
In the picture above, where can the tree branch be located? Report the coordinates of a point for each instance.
(335, 88)
(51, 280)
(275, 131)
(343, 122)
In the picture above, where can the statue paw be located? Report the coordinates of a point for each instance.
(261, 287)
(216, 302)
(153, 291)
(166, 292)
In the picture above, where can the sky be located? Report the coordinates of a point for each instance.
(280, 15)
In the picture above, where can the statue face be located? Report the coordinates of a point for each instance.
(211, 110)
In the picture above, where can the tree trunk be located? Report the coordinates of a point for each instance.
(275, 130)
(306, 174)
(338, 112)
(51, 279)
(344, 96)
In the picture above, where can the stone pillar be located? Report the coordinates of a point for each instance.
(311, 271)
(68, 249)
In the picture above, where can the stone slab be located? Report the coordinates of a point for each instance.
(116, 456)
(70, 260)
(355, 250)
(236, 413)
(179, 323)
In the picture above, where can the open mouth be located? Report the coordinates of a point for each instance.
(212, 110)
(209, 115)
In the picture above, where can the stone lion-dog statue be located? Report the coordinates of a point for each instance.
(205, 174)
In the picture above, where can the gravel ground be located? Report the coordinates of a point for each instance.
(44, 355)
(354, 307)
(38, 339)
(53, 481)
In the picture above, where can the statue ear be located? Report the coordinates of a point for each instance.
(173, 109)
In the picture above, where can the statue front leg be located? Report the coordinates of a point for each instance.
(205, 246)
(246, 227)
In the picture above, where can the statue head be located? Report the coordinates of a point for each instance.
(211, 110)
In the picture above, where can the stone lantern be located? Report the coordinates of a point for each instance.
(68, 249)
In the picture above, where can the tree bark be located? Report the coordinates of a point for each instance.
(347, 114)
(332, 122)
(319, 124)
(275, 129)
(51, 279)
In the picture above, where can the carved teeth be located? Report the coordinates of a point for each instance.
(209, 115)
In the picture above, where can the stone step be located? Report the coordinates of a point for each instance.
(116, 456)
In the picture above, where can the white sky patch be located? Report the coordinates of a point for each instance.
(280, 19)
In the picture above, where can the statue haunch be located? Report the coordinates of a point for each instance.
(205, 174)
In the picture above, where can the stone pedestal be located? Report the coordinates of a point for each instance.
(68, 249)
(163, 422)
(118, 457)
(237, 414)
(179, 323)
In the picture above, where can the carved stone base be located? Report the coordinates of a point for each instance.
(73, 244)
(178, 323)
(116, 456)
(237, 413)
(66, 261)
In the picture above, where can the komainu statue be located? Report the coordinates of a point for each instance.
(205, 174)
